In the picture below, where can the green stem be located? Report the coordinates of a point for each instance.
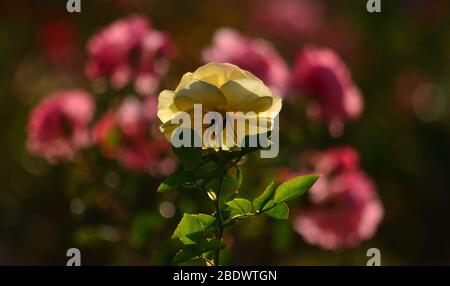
(220, 225)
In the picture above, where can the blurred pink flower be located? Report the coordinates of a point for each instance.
(326, 80)
(288, 19)
(130, 51)
(130, 135)
(58, 125)
(58, 41)
(349, 214)
(336, 160)
(344, 207)
(254, 55)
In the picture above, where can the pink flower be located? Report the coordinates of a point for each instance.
(288, 19)
(131, 135)
(334, 98)
(336, 160)
(349, 214)
(58, 40)
(130, 51)
(344, 207)
(254, 55)
(58, 125)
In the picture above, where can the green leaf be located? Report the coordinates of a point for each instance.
(294, 188)
(262, 200)
(277, 211)
(191, 224)
(195, 251)
(211, 244)
(176, 179)
(188, 253)
(239, 207)
(240, 204)
(238, 178)
(229, 184)
(210, 169)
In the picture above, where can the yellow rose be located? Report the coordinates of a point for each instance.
(227, 90)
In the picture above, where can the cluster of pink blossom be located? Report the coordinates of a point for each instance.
(319, 75)
(325, 79)
(59, 125)
(129, 50)
(287, 19)
(344, 207)
(130, 134)
(257, 56)
(58, 42)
